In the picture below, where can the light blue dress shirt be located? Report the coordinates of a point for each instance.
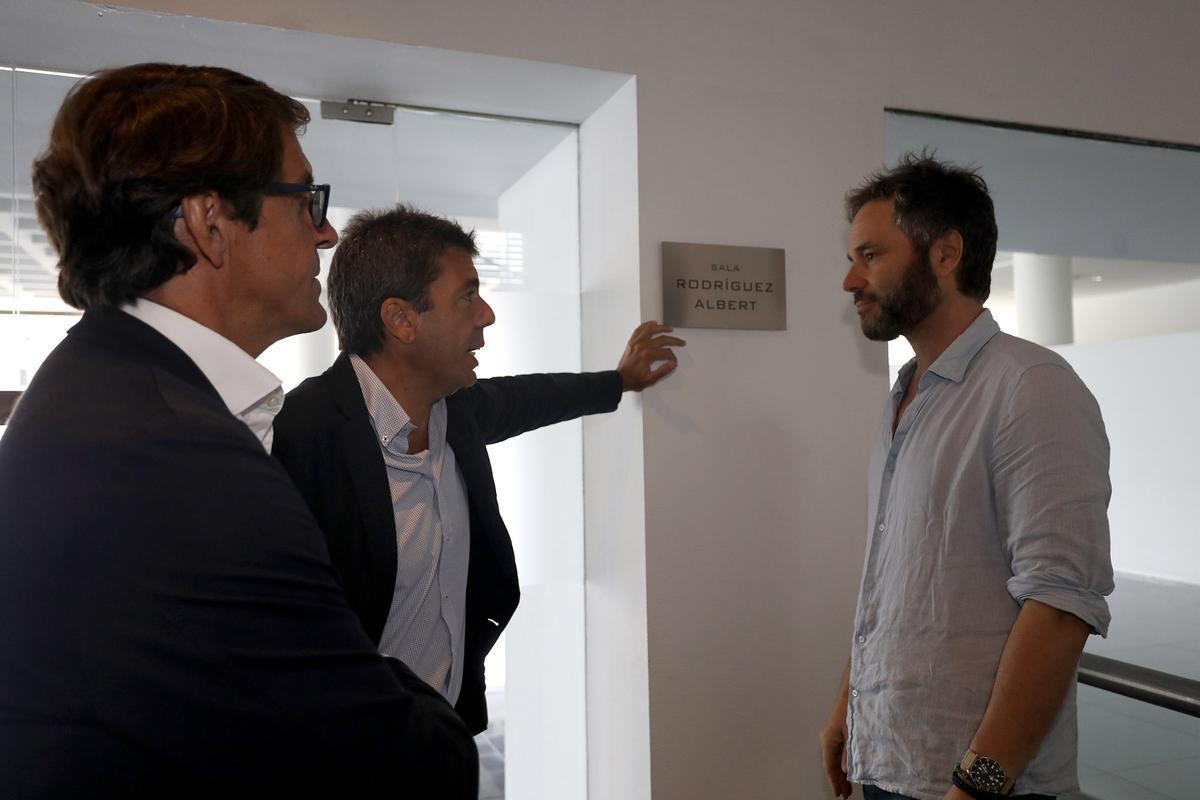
(993, 490)
(426, 624)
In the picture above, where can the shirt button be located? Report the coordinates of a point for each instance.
(881, 527)
(854, 692)
(273, 401)
(862, 639)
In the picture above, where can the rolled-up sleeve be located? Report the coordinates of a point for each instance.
(1052, 491)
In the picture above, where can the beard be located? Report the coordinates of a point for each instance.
(899, 311)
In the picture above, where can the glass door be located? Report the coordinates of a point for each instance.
(516, 184)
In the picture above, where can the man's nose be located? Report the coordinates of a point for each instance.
(853, 282)
(327, 236)
(488, 316)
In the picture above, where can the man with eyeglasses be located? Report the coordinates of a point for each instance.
(172, 624)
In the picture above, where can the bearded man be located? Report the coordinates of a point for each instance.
(987, 556)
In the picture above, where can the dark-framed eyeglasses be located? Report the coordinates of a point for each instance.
(318, 203)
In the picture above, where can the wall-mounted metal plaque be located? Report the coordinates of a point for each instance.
(722, 286)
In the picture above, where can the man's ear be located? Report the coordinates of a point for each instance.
(945, 254)
(400, 319)
(202, 227)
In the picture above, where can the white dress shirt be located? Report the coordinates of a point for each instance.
(251, 391)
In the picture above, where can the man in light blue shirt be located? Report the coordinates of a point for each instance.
(988, 553)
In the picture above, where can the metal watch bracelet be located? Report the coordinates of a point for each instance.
(963, 782)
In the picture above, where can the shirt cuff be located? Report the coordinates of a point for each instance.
(1087, 604)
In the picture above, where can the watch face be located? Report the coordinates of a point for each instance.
(987, 774)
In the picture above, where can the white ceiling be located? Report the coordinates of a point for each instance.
(81, 37)
(445, 163)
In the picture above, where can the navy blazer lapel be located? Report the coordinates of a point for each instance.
(368, 474)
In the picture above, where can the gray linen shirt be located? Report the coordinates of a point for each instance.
(426, 623)
(994, 489)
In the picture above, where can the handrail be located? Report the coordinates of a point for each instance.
(1161, 689)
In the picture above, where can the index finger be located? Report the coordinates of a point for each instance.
(652, 327)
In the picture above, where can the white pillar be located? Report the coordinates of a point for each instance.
(1042, 294)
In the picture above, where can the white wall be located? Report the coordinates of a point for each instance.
(1152, 311)
(614, 467)
(1147, 390)
(753, 119)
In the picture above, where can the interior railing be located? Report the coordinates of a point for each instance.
(1141, 684)
(1162, 689)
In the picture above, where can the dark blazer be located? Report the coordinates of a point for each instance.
(171, 624)
(324, 438)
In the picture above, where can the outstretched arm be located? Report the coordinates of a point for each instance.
(505, 407)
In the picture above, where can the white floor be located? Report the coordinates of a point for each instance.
(491, 748)
(1127, 750)
(1130, 750)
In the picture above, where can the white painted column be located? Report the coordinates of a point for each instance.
(1042, 293)
(539, 480)
(611, 277)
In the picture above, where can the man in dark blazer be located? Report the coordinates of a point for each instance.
(172, 625)
(367, 436)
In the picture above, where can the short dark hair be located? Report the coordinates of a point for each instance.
(127, 145)
(931, 198)
(381, 254)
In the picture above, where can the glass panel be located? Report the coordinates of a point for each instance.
(8, 253)
(33, 319)
(516, 185)
(1102, 214)
(8, 188)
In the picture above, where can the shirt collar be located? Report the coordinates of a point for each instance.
(952, 364)
(392, 423)
(388, 417)
(240, 380)
(903, 377)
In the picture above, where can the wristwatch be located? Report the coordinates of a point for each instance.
(983, 773)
